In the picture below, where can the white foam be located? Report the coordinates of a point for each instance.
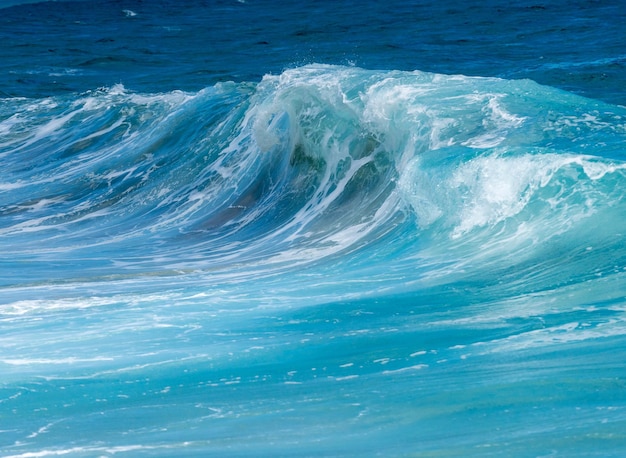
(55, 361)
(491, 188)
(92, 450)
(556, 335)
(41, 306)
(415, 367)
(497, 188)
(11, 186)
(418, 353)
(342, 379)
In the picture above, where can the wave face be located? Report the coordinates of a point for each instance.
(333, 259)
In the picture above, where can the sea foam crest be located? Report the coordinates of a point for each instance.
(472, 152)
(495, 186)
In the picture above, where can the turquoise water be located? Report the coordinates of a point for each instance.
(242, 229)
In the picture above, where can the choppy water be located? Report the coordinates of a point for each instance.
(321, 229)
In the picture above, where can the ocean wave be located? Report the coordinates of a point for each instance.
(302, 166)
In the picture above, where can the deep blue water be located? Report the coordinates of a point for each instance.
(242, 228)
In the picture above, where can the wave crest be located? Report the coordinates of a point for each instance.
(316, 161)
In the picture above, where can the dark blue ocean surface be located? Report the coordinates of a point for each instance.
(243, 228)
(158, 45)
